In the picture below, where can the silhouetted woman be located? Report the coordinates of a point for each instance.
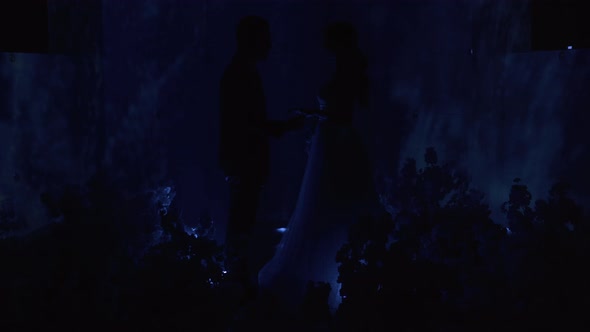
(337, 186)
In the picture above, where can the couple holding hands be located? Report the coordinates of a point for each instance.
(337, 186)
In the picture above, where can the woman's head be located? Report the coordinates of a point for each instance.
(340, 38)
(253, 37)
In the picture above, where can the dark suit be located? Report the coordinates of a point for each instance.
(243, 154)
(245, 130)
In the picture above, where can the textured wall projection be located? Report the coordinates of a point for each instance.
(135, 89)
(50, 113)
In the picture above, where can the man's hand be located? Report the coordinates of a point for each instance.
(279, 128)
(310, 113)
(295, 123)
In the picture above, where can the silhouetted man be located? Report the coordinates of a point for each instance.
(244, 142)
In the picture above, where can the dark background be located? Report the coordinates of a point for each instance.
(132, 86)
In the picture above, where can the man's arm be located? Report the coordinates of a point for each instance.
(244, 107)
(277, 128)
(232, 126)
(272, 128)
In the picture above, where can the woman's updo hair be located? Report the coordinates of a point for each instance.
(341, 39)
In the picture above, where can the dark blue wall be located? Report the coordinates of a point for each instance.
(457, 75)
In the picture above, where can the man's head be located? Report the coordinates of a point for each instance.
(340, 38)
(253, 37)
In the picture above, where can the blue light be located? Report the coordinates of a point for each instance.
(281, 230)
(570, 47)
(163, 197)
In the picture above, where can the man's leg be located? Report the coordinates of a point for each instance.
(244, 199)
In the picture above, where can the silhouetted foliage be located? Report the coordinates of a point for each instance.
(439, 263)
(175, 284)
(436, 262)
(112, 261)
(548, 255)
(8, 217)
(315, 308)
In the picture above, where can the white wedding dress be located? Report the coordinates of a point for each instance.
(337, 189)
